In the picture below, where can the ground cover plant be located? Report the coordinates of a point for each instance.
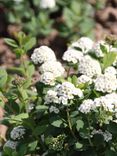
(71, 110)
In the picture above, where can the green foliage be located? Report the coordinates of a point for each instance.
(77, 17)
(22, 44)
(51, 126)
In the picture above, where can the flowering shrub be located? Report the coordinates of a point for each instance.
(71, 110)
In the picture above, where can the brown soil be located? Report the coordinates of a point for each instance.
(106, 19)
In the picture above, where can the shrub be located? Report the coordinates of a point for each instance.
(72, 108)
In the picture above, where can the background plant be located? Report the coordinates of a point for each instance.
(70, 18)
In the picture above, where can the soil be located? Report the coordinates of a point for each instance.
(106, 20)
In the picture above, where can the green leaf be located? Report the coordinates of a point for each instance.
(19, 52)
(74, 80)
(40, 130)
(112, 127)
(108, 59)
(32, 146)
(2, 103)
(3, 77)
(30, 69)
(78, 145)
(103, 48)
(29, 44)
(11, 42)
(56, 122)
(79, 124)
(22, 149)
(18, 118)
(98, 139)
(41, 108)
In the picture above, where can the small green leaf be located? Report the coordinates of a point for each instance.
(30, 44)
(3, 77)
(108, 59)
(32, 146)
(40, 129)
(103, 48)
(41, 108)
(57, 123)
(74, 80)
(11, 42)
(112, 127)
(78, 145)
(79, 124)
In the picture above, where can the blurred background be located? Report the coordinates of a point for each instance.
(55, 23)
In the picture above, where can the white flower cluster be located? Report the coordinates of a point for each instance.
(43, 54)
(54, 109)
(50, 68)
(97, 48)
(107, 135)
(84, 79)
(84, 44)
(51, 97)
(106, 83)
(62, 93)
(89, 67)
(47, 78)
(17, 133)
(107, 102)
(72, 55)
(53, 67)
(77, 49)
(44, 4)
(11, 144)
(86, 106)
(110, 70)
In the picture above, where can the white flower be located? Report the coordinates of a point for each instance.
(107, 135)
(54, 109)
(62, 93)
(68, 90)
(47, 4)
(89, 67)
(104, 102)
(97, 48)
(11, 144)
(43, 54)
(51, 97)
(30, 107)
(87, 106)
(110, 70)
(84, 79)
(106, 83)
(107, 102)
(72, 56)
(17, 133)
(84, 43)
(47, 78)
(52, 66)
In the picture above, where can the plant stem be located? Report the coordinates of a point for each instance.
(69, 123)
(90, 142)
